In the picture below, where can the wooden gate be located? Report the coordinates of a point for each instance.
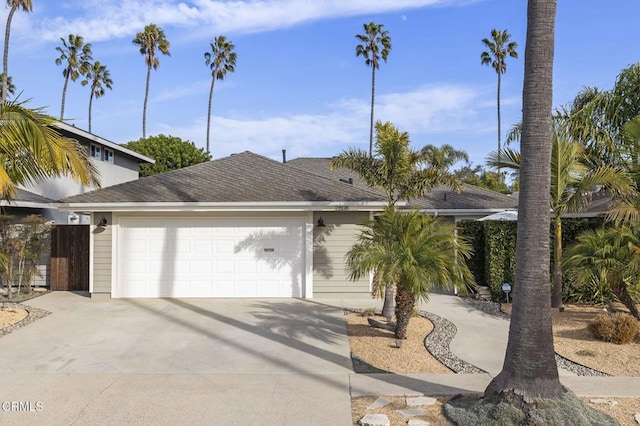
(69, 258)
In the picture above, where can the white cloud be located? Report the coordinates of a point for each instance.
(430, 110)
(101, 20)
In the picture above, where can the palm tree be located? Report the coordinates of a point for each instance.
(221, 59)
(11, 88)
(32, 151)
(413, 251)
(443, 157)
(100, 79)
(27, 6)
(530, 369)
(573, 183)
(376, 44)
(151, 41)
(498, 49)
(608, 257)
(76, 58)
(396, 170)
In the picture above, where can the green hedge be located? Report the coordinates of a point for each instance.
(494, 248)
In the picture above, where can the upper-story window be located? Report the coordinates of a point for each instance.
(96, 152)
(108, 155)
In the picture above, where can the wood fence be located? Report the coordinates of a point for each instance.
(69, 258)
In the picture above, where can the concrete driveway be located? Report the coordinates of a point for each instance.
(209, 361)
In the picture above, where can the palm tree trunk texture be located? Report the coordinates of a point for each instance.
(213, 79)
(387, 307)
(499, 126)
(144, 108)
(90, 104)
(5, 57)
(530, 371)
(622, 293)
(404, 310)
(556, 296)
(373, 95)
(64, 95)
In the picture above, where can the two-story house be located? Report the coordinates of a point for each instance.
(115, 163)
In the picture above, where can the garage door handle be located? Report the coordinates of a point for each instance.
(269, 250)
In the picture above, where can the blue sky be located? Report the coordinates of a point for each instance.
(298, 84)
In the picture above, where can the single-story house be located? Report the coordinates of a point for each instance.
(239, 226)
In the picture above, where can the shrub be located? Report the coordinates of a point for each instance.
(617, 328)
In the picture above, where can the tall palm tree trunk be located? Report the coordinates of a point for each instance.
(373, 95)
(530, 369)
(556, 296)
(64, 95)
(213, 79)
(144, 108)
(5, 57)
(499, 126)
(90, 104)
(404, 309)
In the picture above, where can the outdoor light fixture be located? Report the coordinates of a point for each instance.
(321, 223)
(103, 222)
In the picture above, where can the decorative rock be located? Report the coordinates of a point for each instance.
(378, 403)
(374, 420)
(421, 400)
(636, 417)
(410, 412)
(418, 422)
(40, 289)
(603, 401)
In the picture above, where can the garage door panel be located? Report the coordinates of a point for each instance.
(210, 257)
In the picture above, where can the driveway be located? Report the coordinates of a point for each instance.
(177, 361)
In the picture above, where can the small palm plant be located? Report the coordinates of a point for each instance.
(414, 252)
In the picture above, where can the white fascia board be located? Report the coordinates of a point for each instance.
(193, 207)
(460, 212)
(104, 142)
(27, 204)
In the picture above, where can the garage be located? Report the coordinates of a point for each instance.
(209, 257)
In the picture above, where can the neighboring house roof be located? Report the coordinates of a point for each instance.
(76, 132)
(472, 198)
(243, 178)
(24, 198)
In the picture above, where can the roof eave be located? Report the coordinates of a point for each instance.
(108, 144)
(27, 204)
(228, 206)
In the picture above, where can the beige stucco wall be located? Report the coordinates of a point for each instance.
(331, 243)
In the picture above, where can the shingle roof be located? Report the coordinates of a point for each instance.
(244, 177)
(29, 197)
(471, 197)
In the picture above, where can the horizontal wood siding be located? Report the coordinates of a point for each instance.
(331, 244)
(102, 240)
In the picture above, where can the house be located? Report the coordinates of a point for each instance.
(239, 226)
(115, 163)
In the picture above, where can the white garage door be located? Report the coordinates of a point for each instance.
(209, 257)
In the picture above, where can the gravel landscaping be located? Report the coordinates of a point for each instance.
(577, 351)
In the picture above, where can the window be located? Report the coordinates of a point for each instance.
(108, 155)
(96, 152)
